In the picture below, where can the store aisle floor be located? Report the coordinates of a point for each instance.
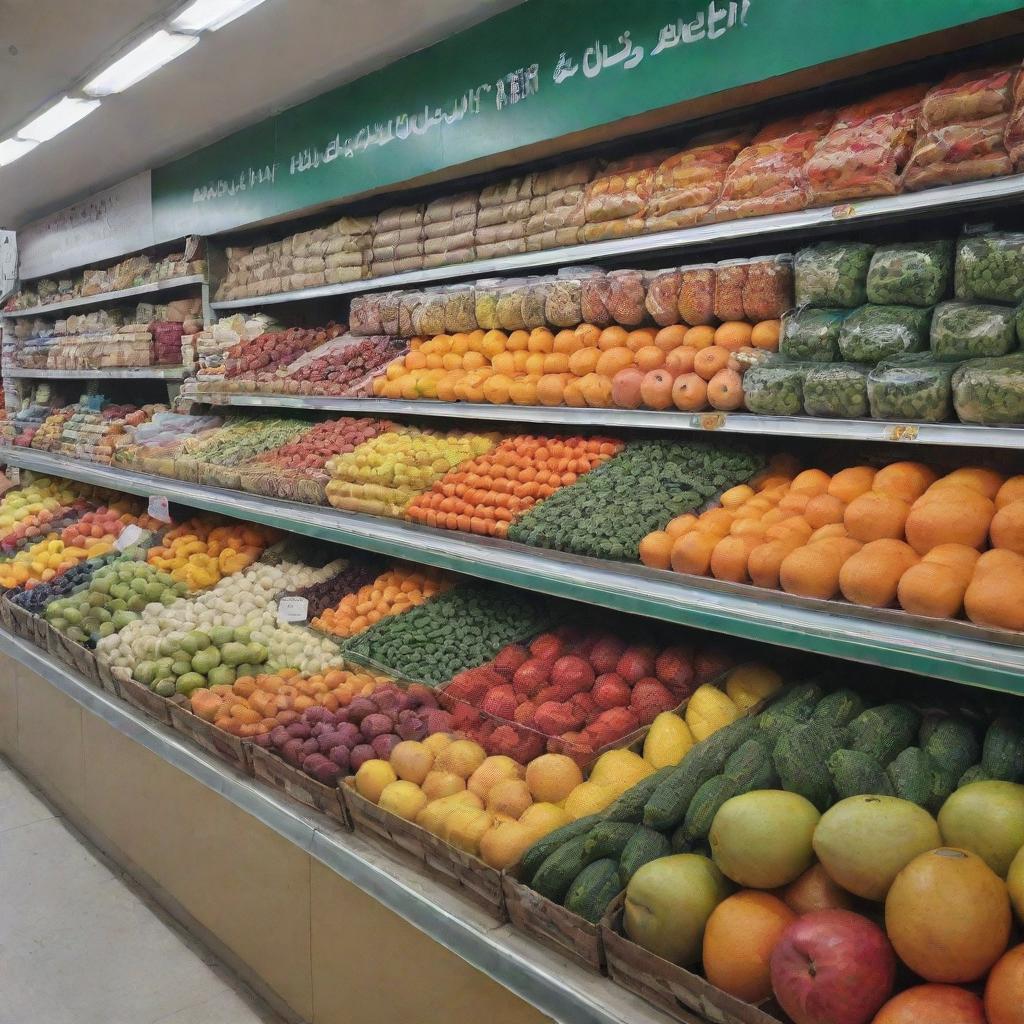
(80, 945)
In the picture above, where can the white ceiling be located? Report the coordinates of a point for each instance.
(279, 54)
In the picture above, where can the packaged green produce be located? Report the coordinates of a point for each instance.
(1019, 322)
(839, 389)
(962, 330)
(990, 267)
(775, 388)
(833, 274)
(990, 390)
(914, 387)
(910, 273)
(812, 334)
(873, 333)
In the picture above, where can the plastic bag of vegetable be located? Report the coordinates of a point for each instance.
(914, 387)
(833, 274)
(838, 389)
(910, 273)
(962, 330)
(990, 267)
(775, 388)
(812, 334)
(990, 390)
(873, 333)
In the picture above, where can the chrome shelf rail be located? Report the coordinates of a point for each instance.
(107, 298)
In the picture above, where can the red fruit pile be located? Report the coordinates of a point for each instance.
(276, 349)
(311, 450)
(338, 371)
(38, 525)
(571, 691)
(104, 523)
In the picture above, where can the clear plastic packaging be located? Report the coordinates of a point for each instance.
(429, 318)
(485, 299)
(364, 315)
(697, 294)
(594, 296)
(390, 302)
(811, 334)
(663, 297)
(962, 330)
(990, 267)
(510, 306)
(873, 333)
(730, 281)
(562, 307)
(775, 388)
(1013, 136)
(969, 96)
(833, 274)
(692, 179)
(627, 295)
(459, 309)
(535, 300)
(768, 289)
(914, 388)
(408, 307)
(954, 153)
(836, 390)
(623, 189)
(910, 273)
(990, 390)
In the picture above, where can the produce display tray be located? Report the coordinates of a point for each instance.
(471, 876)
(109, 682)
(684, 995)
(553, 926)
(74, 655)
(274, 771)
(233, 749)
(143, 698)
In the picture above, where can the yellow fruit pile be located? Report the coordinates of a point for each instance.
(199, 553)
(46, 559)
(42, 495)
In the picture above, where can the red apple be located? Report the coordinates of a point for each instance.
(832, 967)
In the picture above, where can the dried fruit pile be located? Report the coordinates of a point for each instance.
(607, 512)
(275, 349)
(340, 370)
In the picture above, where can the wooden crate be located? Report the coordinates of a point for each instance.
(684, 995)
(74, 655)
(206, 735)
(460, 870)
(276, 772)
(109, 682)
(553, 926)
(20, 622)
(6, 615)
(143, 698)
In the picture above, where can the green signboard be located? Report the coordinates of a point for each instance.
(539, 71)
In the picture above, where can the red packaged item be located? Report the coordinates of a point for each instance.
(1013, 136)
(959, 152)
(623, 189)
(968, 96)
(692, 179)
(768, 176)
(882, 103)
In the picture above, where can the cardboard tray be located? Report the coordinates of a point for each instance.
(206, 735)
(143, 698)
(74, 655)
(459, 870)
(109, 682)
(276, 772)
(553, 926)
(682, 994)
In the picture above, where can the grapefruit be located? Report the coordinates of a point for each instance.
(1004, 992)
(936, 1004)
(986, 818)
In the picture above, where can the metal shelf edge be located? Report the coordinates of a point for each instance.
(104, 298)
(775, 619)
(111, 373)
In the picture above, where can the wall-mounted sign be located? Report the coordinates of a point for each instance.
(539, 71)
(8, 263)
(110, 223)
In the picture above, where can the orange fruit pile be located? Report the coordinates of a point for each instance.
(391, 593)
(485, 495)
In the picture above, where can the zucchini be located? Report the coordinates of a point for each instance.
(543, 848)
(644, 846)
(593, 889)
(556, 874)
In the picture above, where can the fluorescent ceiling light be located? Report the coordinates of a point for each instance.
(62, 115)
(153, 53)
(210, 15)
(14, 148)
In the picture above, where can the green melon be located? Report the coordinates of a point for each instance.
(986, 818)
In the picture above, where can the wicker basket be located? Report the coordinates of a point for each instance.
(206, 735)
(276, 772)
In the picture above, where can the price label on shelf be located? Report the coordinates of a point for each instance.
(902, 432)
(130, 535)
(292, 609)
(14, 474)
(158, 508)
(844, 211)
(708, 421)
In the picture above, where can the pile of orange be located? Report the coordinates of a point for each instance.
(487, 494)
(584, 366)
(391, 593)
(897, 536)
(199, 552)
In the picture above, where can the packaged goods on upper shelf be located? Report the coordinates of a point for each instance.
(623, 188)
(912, 388)
(990, 390)
(768, 287)
(953, 153)
(990, 267)
(1013, 137)
(873, 333)
(812, 334)
(768, 175)
(836, 390)
(775, 387)
(970, 95)
(910, 273)
(962, 330)
(832, 274)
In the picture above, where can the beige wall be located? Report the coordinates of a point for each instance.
(293, 927)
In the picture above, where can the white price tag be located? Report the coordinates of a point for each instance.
(128, 536)
(292, 609)
(158, 508)
(14, 475)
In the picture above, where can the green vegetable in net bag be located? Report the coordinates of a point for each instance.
(963, 330)
(775, 388)
(873, 333)
(833, 274)
(811, 334)
(910, 273)
(911, 387)
(990, 390)
(838, 390)
(990, 267)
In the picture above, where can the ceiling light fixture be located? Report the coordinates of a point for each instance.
(210, 15)
(12, 149)
(60, 116)
(150, 55)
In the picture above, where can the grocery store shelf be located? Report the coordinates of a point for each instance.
(107, 298)
(866, 211)
(551, 984)
(950, 650)
(110, 373)
(959, 434)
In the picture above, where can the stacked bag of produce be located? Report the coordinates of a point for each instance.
(556, 214)
(397, 245)
(449, 230)
(615, 202)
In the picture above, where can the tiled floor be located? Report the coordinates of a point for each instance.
(80, 945)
